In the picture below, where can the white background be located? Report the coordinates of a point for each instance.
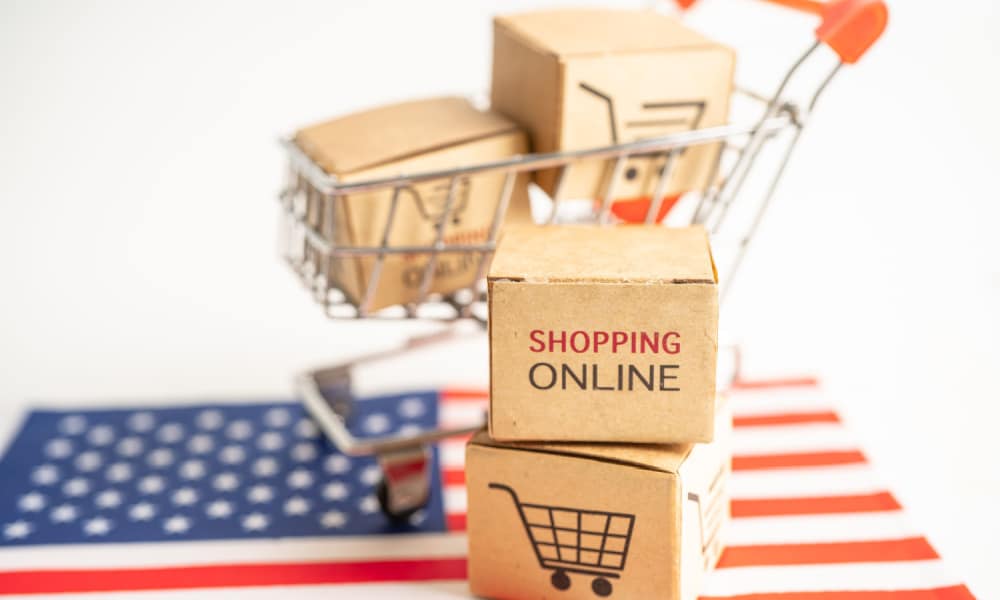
(138, 169)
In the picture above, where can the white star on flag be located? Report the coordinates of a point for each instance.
(260, 493)
(17, 530)
(31, 502)
(64, 513)
(184, 496)
(296, 505)
(142, 511)
(219, 509)
(176, 524)
(97, 526)
(255, 522)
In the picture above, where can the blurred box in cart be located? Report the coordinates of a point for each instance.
(603, 334)
(411, 137)
(590, 77)
(575, 520)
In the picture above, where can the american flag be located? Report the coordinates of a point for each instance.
(195, 500)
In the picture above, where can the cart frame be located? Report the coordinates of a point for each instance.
(848, 27)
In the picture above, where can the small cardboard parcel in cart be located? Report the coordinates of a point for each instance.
(575, 520)
(421, 135)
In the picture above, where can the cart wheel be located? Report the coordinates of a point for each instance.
(601, 587)
(382, 493)
(560, 580)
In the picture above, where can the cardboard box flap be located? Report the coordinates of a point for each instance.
(600, 31)
(657, 457)
(390, 133)
(625, 253)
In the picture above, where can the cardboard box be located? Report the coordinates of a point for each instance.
(575, 520)
(603, 334)
(408, 138)
(588, 78)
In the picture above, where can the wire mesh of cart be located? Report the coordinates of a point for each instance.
(571, 540)
(310, 199)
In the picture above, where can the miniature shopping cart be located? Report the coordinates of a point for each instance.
(726, 207)
(573, 540)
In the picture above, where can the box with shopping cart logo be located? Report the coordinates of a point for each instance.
(632, 521)
(603, 334)
(594, 77)
(405, 219)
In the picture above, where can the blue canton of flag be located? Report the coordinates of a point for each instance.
(221, 471)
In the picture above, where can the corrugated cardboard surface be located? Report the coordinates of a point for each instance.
(589, 78)
(591, 253)
(410, 138)
(393, 132)
(539, 282)
(573, 32)
(663, 558)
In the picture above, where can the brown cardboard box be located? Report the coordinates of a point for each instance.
(408, 138)
(636, 521)
(593, 77)
(603, 334)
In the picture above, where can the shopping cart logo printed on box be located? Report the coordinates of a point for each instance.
(645, 124)
(434, 202)
(575, 540)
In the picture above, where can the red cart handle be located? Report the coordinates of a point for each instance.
(848, 27)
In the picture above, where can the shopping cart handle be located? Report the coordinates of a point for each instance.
(848, 27)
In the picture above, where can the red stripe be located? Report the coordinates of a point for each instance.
(817, 554)
(750, 384)
(455, 521)
(799, 459)
(826, 416)
(882, 501)
(460, 394)
(242, 575)
(958, 592)
(453, 476)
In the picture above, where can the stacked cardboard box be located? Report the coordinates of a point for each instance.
(602, 354)
(606, 462)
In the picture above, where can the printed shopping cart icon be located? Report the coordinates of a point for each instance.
(573, 540)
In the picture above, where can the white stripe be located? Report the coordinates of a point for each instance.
(812, 437)
(452, 453)
(772, 401)
(464, 413)
(840, 480)
(456, 500)
(809, 529)
(279, 550)
(903, 575)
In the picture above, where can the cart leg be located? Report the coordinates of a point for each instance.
(560, 580)
(405, 486)
(601, 587)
